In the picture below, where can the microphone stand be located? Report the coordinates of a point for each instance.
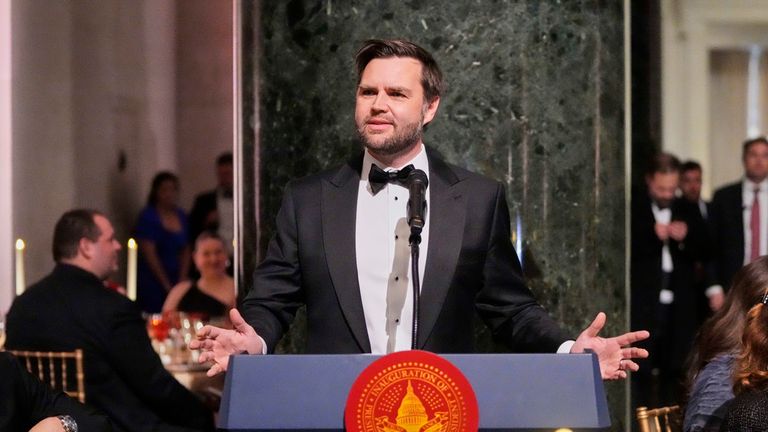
(417, 186)
(415, 239)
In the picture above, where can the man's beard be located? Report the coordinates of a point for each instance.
(402, 140)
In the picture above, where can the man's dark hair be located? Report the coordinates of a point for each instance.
(157, 181)
(431, 77)
(71, 227)
(750, 142)
(224, 159)
(690, 165)
(663, 163)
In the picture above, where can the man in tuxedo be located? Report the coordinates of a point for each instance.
(739, 220)
(342, 245)
(668, 239)
(71, 308)
(214, 210)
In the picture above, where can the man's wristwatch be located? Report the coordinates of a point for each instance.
(68, 423)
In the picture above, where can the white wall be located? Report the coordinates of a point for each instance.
(43, 151)
(690, 29)
(205, 95)
(92, 87)
(102, 100)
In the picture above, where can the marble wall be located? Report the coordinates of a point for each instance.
(535, 99)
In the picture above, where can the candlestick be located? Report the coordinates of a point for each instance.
(131, 269)
(20, 280)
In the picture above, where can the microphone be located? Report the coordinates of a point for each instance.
(417, 201)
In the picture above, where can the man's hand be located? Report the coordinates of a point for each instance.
(217, 344)
(677, 230)
(614, 354)
(662, 231)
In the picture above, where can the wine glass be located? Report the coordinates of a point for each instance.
(157, 327)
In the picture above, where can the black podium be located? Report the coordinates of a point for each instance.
(514, 391)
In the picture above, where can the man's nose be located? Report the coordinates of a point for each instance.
(379, 102)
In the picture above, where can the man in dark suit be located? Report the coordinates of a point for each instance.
(668, 238)
(690, 191)
(212, 210)
(690, 186)
(70, 308)
(357, 290)
(739, 220)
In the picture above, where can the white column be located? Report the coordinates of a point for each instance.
(6, 186)
(160, 48)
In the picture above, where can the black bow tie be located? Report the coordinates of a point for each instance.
(378, 178)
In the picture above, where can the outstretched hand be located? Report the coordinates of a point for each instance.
(217, 344)
(614, 354)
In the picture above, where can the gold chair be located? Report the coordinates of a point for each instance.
(61, 370)
(664, 419)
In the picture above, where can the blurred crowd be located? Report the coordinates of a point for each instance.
(699, 280)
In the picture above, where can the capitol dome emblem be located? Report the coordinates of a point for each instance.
(411, 391)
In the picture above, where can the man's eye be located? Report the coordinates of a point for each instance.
(367, 92)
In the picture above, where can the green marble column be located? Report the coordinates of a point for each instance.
(535, 99)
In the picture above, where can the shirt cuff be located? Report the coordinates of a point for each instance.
(713, 290)
(263, 347)
(565, 347)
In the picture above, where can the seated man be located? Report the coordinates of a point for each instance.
(70, 308)
(26, 403)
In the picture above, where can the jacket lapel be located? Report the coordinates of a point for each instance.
(339, 203)
(447, 210)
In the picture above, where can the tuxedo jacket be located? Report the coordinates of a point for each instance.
(726, 222)
(471, 268)
(25, 400)
(204, 204)
(646, 275)
(124, 378)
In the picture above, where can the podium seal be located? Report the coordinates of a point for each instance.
(411, 391)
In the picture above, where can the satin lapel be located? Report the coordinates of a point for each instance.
(339, 204)
(447, 210)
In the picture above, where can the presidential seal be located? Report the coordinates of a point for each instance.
(411, 391)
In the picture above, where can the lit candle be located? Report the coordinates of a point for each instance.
(20, 283)
(131, 275)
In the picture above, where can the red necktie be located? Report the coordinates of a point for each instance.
(754, 226)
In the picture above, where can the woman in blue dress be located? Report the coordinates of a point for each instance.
(161, 232)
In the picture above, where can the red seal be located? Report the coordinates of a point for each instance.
(411, 391)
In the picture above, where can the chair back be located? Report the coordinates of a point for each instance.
(664, 419)
(61, 370)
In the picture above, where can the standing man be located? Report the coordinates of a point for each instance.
(70, 308)
(690, 186)
(739, 220)
(214, 210)
(666, 242)
(341, 245)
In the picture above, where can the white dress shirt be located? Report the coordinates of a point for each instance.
(384, 258)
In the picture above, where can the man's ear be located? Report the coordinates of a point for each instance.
(85, 248)
(431, 109)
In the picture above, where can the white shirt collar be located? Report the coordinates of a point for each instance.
(750, 185)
